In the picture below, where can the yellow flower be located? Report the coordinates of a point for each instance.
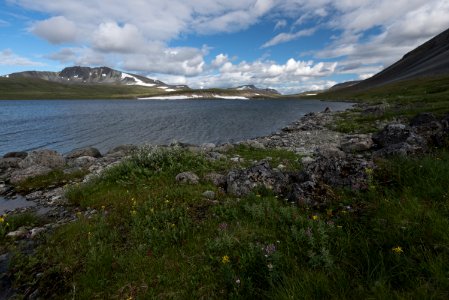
(2, 220)
(315, 218)
(225, 259)
(103, 207)
(397, 250)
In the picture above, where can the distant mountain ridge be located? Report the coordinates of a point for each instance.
(428, 60)
(101, 75)
(253, 88)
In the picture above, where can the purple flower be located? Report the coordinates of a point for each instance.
(223, 226)
(270, 249)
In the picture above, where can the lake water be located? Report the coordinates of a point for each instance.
(64, 125)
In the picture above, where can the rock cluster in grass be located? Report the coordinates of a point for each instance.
(330, 159)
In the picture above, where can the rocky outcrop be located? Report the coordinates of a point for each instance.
(44, 158)
(90, 151)
(242, 182)
(187, 177)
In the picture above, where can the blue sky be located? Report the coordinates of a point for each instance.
(290, 45)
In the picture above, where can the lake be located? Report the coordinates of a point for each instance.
(64, 125)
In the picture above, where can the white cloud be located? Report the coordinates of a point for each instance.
(136, 35)
(219, 60)
(287, 37)
(280, 24)
(4, 23)
(110, 37)
(56, 30)
(9, 58)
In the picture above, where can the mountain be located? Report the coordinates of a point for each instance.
(428, 60)
(255, 90)
(102, 75)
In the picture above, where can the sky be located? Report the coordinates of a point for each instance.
(289, 45)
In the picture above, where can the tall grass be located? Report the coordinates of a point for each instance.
(155, 238)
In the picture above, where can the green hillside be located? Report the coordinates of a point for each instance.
(20, 88)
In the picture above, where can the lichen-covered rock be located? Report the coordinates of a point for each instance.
(10, 162)
(187, 177)
(22, 174)
(44, 158)
(242, 182)
(356, 143)
(89, 151)
(348, 172)
(83, 162)
(20, 154)
(217, 179)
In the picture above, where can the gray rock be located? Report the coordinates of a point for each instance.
(36, 170)
(37, 231)
(89, 151)
(209, 195)
(242, 182)
(307, 160)
(44, 158)
(208, 146)
(187, 177)
(356, 143)
(216, 156)
(83, 162)
(327, 110)
(331, 152)
(18, 234)
(423, 119)
(217, 179)
(10, 162)
(21, 155)
(126, 149)
(348, 172)
(256, 145)
(392, 134)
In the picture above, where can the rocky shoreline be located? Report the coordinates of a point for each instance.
(329, 160)
(328, 157)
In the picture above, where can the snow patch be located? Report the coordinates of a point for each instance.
(231, 97)
(174, 97)
(137, 81)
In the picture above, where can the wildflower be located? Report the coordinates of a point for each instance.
(173, 225)
(103, 207)
(2, 220)
(225, 259)
(397, 250)
(223, 226)
(315, 218)
(270, 249)
(270, 267)
(237, 281)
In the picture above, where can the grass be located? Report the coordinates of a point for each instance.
(155, 238)
(53, 179)
(402, 100)
(26, 88)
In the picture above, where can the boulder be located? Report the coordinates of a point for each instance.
(21, 155)
(89, 151)
(217, 179)
(10, 162)
(331, 152)
(242, 182)
(398, 139)
(356, 143)
(348, 172)
(392, 134)
(18, 234)
(83, 162)
(36, 170)
(44, 158)
(187, 177)
(209, 195)
(126, 149)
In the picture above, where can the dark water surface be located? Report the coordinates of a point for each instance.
(64, 125)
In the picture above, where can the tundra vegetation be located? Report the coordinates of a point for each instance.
(154, 237)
